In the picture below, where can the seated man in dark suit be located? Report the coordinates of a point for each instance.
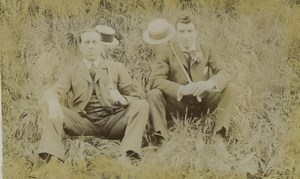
(188, 77)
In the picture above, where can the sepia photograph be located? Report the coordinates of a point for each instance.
(150, 89)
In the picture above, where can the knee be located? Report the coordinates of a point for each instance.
(139, 108)
(154, 95)
(57, 117)
(141, 105)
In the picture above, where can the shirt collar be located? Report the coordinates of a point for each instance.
(193, 48)
(88, 63)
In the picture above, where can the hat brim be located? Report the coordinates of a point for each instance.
(115, 42)
(149, 40)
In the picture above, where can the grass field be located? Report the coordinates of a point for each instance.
(258, 39)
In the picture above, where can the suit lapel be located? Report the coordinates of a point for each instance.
(200, 65)
(85, 72)
(101, 70)
(199, 52)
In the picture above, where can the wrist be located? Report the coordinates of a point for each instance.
(179, 93)
(212, 84)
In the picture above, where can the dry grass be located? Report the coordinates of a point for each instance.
(259, 40)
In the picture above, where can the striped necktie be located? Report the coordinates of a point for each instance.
(188, 58)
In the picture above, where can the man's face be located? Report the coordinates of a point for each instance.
(90, 45)
(186, 34)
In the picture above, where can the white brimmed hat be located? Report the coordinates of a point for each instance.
(159, 31)
(107, 35)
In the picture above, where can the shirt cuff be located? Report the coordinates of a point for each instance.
(179, 95)
(214, 84)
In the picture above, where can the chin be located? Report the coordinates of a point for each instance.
(91, 59)
(187, 45)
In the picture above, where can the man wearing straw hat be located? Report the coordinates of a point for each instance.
(105, 101)
(187, 77)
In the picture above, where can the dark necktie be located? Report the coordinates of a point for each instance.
(188, 57)
(92, 71)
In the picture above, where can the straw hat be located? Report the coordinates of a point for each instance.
(159, 31)
(107, 35)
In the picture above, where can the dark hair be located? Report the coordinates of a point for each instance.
(185, 18)
(87, 30)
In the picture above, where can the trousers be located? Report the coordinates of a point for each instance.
(127, 125)
(161, 107)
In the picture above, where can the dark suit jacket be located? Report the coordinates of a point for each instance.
(167, 75)
(77, 79)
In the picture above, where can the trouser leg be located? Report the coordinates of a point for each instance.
(128, 126)
(157, 115)
(224, 103)
(138, 115)
(53, 133)
(160, 106)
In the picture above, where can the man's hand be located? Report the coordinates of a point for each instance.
(187, 89)
(202, 86)
(118, 98)
(55, 111)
